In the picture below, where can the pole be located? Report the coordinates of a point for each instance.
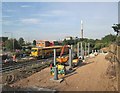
(85, 49)
(78, 50)
(92, 51)
(54, 57)
(70, 58)
(81, 51)
(13, 41)
(88, 48)
(55, 67)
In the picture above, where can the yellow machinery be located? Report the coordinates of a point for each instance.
(62, 59)
(61, 63)
(75, 62)
(60, 66)
(61, 70)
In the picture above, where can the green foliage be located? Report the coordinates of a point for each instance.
(116, 28)
(56, 43)
(68, 42)
(21, 41)
(94, 44)
(10, 44)
(109, 38)
(34, 42)
(97, 46)
(4, 39)
(64, 42)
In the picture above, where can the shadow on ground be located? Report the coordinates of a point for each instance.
(73, 71)
(8, 89)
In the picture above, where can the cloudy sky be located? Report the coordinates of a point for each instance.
(56, 20)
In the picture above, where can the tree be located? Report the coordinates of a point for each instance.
(21, 41)
(97, 46)
(109, 38)
(116, 28)
(34, 42)
(9, 44)
(3, 39)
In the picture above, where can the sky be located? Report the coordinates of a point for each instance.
(56, 20)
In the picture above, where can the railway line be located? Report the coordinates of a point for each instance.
(24, 64)
(16, 72)
(17, 65)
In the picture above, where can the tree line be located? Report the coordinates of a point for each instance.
(98, 43)
(94, 43)
(10, 44)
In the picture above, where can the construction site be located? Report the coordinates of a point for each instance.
(94, 74)
(64, 68)
(65, 55)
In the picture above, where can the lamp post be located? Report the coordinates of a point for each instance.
(11, 37)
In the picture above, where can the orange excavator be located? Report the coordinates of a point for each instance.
(62, 59)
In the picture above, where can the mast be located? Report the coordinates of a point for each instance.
(81, 29)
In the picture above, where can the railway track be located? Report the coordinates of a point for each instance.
(25, 64)
(11, 74)
(13, 66)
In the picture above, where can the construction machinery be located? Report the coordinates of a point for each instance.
(61, 60)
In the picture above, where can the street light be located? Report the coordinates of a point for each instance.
(11, 37)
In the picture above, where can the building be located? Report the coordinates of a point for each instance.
(42, 43)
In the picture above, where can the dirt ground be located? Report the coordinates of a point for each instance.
(88, 76)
